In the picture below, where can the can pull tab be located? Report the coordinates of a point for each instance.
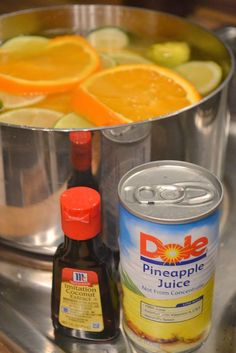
(184, 193)
(197, 193)
(157, 194)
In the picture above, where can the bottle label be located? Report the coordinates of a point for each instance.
(80, 301)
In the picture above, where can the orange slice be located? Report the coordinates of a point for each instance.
(132, 93)
(56, 66)
(60, 102)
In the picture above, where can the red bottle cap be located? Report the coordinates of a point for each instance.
(81, 149)
(81, 213)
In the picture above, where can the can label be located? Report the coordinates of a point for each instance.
(80, 301)
(167, 274)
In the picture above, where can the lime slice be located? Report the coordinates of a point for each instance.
(107, 61)
(169, 53)
(108, 38)
(204, 75)
(11, 101)
(33, 117)
(26, 43)
(123, 57)
(72, 120)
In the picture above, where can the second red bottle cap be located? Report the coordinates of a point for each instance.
(81, 213)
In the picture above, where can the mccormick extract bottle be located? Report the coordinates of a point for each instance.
(85, 301)
(81, 157)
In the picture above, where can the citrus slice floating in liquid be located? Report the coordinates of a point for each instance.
(60, 102)
(72, 120)
(108, 38)
(132, 93)
(55, 67)
(169, 54)
(26, 43)
(107, 61)
(124, 57)
(12, 101)
(204, 75)
(31, 117)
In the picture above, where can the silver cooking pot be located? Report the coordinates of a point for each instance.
(35, 164)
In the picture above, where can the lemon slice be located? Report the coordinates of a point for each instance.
(108, 38)
(204, 75)
(11, 101)
(169, 54)
(72, 120)
(124, 57)
(32, 117)
(107, 61)
(27, 44)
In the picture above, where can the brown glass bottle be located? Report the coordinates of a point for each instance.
(85, 302)
(81, 158)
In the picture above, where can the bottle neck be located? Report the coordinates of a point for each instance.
(81, 160)
(83, 172)
(82, 178)
(83, 248)
(85, 168)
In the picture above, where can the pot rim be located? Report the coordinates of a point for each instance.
(139, 9)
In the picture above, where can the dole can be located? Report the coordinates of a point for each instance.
(169, 230)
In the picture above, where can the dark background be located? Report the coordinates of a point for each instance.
(181, 7)
(210, 13)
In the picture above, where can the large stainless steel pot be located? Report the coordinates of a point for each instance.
(35, 164)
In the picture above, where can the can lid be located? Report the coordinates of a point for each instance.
(81, 213)
(170, 191)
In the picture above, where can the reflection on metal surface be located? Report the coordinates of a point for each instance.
(25, 291)
(25, 295)
(118, 345)
(228, 35)
(123, 148)
(30, 339)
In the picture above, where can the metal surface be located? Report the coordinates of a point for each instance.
(35, 165)
(228, 35)
(180, 185)
(124, 148)
(25, 294)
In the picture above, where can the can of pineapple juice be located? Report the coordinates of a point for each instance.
(169, 230)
